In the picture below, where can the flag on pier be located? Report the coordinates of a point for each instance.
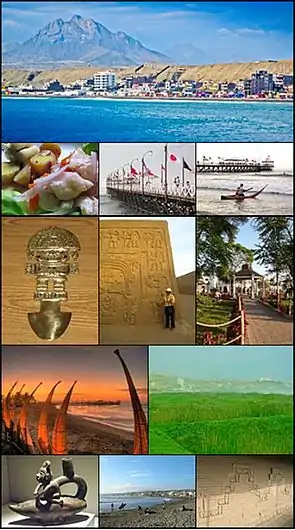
(133, 171)
(148, 171)
(174, 158)
(185, 165)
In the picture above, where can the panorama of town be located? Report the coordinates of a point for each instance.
(260, 85)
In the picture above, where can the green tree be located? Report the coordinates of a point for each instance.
(275, 247)
(215, 239)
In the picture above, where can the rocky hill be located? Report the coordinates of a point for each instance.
(230, 72)
(79, 41)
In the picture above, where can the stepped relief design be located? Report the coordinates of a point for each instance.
(136, 267)
(248, 493)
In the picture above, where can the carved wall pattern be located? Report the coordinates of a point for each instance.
(251, 492)
(135, 268)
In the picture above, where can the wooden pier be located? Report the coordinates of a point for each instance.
(154, 202)
(224, 167)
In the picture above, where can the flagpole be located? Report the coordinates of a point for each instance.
(131, 165)
(196, 168)
(183, 172)
(150, 152)
(166, 169)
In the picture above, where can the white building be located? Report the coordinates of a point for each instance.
(104, 81)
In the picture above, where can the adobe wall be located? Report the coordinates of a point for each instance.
(136, 266)
(242, 491)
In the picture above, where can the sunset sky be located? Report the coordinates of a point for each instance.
(98, 371)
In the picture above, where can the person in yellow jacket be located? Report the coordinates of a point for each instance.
(169, 303)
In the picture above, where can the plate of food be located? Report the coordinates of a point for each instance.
(49, 179)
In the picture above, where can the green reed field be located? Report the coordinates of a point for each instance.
(207, 423)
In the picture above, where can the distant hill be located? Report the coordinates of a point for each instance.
(170, 383)
(82, 41)
(230, 72)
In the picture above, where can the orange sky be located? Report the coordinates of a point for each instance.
(97, 370)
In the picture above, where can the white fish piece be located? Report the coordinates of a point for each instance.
(40, 184)
(87, 205)
(69, 185)
(85, 165)
(48, 201)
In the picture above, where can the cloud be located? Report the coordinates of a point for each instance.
(224, 31)
(251, 31)
(11, 23)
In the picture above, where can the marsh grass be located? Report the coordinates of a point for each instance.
(207, 423)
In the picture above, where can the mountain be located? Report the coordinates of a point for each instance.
(187, 53)
(162, 383)
(81, 41)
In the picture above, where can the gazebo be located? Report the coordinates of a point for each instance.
(247, 281)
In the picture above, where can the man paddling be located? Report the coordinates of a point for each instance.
(240, 191)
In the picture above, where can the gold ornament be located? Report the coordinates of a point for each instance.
(52, 253)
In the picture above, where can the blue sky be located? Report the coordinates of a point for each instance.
(216, 31)
(182, 233)
(247, 236)
(123, 474)
(221, 362)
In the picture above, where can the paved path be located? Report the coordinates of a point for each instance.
(266, 326)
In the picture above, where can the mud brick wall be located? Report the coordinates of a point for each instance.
(242, 491)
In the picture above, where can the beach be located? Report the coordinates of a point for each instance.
(171, 517)
(115, 120)
(85, 436)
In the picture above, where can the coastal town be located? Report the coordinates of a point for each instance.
(156, 82)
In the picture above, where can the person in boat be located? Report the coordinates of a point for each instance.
(240, 191)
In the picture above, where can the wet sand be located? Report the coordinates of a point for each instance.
(171, 517)
(85, 436)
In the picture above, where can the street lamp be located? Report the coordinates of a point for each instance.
(150, 152)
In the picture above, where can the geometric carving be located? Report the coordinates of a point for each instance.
(252, 493)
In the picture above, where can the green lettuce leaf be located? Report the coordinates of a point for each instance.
(9, 205)
(90, 148)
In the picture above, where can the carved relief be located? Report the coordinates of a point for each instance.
(135, 269)
(269, 491)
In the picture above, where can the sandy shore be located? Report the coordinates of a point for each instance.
(171, 517)
(145, 98)
(85, 436)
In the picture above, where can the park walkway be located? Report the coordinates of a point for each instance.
(266, 326)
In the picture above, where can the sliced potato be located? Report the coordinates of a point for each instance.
(41, 163)
(26, 154)
(54, 148)
(8, 172)
(23, 177)
(21, 156)
(18, 147)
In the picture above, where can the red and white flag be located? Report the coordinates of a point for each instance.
(148, 171)
(173, 158)
(133, 171)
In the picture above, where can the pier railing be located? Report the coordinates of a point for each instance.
(172, 191)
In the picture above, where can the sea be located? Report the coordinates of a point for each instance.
(116, 416)
(108, 207)
(114, 120)
(131, 501)
(276, 199)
